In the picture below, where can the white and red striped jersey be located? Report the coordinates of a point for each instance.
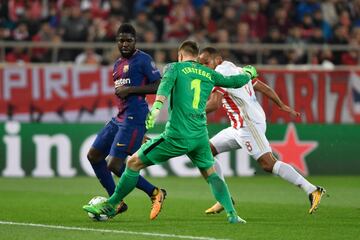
(240, 104)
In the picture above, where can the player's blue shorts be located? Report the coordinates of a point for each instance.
(119, 139)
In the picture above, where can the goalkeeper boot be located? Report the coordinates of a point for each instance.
(122, 207)
(217, 208)
(103, 208)
(157, 200)
(234, 218)
(315, 198)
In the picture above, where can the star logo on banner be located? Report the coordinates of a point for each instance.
(293, 151)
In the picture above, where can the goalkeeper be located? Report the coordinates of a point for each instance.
(188, 85)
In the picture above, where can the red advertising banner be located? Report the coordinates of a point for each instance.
(86, 93)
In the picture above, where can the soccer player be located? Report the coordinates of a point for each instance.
(188, 84)
(134, 75)
(248, 126)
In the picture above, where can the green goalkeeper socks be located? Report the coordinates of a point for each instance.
(221, 192)
(126, 184)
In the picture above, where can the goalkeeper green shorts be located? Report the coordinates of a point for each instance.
(160, 149)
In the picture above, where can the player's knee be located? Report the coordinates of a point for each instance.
(135, 163)
(267, 162)
(213, 149)
(93, 156)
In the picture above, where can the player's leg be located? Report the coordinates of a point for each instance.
(97, 154)
(127, 140)
(258, 146)
(223, 141)
(156, 150)
(201, 156)
(125, 185)
(270, 164)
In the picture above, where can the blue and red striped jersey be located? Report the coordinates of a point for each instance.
(138, 70)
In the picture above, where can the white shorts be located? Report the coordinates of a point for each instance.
(252, 138)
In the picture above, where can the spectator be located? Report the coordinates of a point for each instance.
(160, 57)
(317, 36)
(325, 27)
(306, 7)
(328, 11)
(281, 21)
(178, 25)
(223, 37)
(74, 29)
(341, 36)
(88, 57)
(46, 34)
(117, 8)
(205, 23)
(17, 55)
(97, 31)
(350, 57)
(257, 21)
(5, 33)
(160, 9)
(307, 27)
(274, 56)
(243, 37)
(149, 37)
(32, 17)
(21, 33)
(327, 58)
(199, 36)
(297, 54)
(113, 24)
(229, 21)
(142, 24)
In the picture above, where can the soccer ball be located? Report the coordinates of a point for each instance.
(96, 200)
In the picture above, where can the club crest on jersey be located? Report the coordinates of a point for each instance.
(125, 68)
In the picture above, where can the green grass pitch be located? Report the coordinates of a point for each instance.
(273, 209)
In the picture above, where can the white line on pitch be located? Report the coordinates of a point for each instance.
(109, 231)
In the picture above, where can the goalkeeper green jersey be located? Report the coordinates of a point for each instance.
(188, 86)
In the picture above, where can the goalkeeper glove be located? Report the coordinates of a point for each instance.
(251, 70)
(153, 114)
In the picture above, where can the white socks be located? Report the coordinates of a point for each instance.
(287, 172)
(218, 169)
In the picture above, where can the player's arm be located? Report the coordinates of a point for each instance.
(235, 81)
(271, 94)
(214, 102)
(124, 91)
(166, 85)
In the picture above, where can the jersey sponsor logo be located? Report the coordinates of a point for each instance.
(122, 81)
(196, 115)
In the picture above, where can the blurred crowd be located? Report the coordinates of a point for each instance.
(207, 21)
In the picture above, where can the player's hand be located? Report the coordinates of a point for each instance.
(151, 118)
(291, 111)
(122, 91)
(251, 70)
(153, 114)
